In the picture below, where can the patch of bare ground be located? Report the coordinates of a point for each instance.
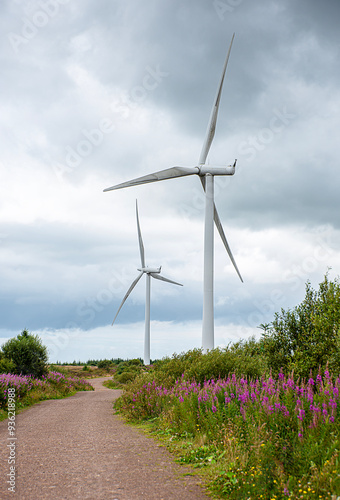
(76, 448)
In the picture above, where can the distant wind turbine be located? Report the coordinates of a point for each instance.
(153, 272)
(206, 174)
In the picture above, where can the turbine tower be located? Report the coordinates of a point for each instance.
(206, 174)
(149, 272)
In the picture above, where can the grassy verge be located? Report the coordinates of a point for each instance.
(250, 438)
(82, 371)
(29, 390)
(112, 384)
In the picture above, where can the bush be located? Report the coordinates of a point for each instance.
(125, 377)
(27, 353)
(308, 337)
(104, 363)
(6, 365)
(126, 371)
(243, 358)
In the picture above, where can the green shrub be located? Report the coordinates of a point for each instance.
(307, 337)
(27, 353)
(104, 363)
(136, 362)
(244, 358)
(6, 365)
(125, 377)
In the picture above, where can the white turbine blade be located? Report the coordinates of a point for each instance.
(213, 117)
(224, 239)
(223, 236)
(134, 283)
(168, 173)
(141, 246)
(162, 278)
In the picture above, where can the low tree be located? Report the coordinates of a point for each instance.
(307, 337)
(27, 353)
(6, 365)
(104, 363)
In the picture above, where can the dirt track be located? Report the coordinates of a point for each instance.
(75, 448)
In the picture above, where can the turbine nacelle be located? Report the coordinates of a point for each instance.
(150, 270)
(212, 170)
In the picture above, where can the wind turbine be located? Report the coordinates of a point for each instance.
(153, 272)
(206, 174)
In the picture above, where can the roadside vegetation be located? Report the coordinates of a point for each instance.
(23, 367)
(259, 419)
(30, 390)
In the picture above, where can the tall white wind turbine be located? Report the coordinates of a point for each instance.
(149, 272)
(206, 174)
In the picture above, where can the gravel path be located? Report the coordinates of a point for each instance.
(75, 448)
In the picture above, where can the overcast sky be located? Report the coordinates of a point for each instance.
(94, 93)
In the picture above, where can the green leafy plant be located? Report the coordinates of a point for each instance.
(6, 365)
(104, 363)
(27, 353)
(307, 337)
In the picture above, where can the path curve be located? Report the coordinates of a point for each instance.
(75, 448)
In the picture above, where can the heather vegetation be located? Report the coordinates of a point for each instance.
(30, 390)
(23, 367)
(258, 418)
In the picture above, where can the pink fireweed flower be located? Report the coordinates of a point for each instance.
(289, 384)
(243, 397)
(285, 411)
(310, 396)
(301, 414)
